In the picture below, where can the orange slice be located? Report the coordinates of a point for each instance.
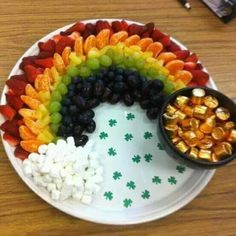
(30, 91)
(103, 38)
(89, 43)
(120, 36)
(144, 43)
(30, 102)
(174, 66)
(155, 48)
(30, 145)
(65, 55)
(59, 63)
(25, 133)
(166, 56)
(78, 48)
(184, 75)
(132, 40)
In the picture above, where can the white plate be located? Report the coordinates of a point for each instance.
(141, 182)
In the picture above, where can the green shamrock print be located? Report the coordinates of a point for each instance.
(103, 135)
(117, 175)
(131, 185)
(160, 146)
(172, 180)
(127, 202)
(108, 195)
(112, 152)
(128, 137)
(148, 157)
(136, 158)
(181, 169)
(130, 116)
(145, 194)
(112, 122)
(148, 135)
(156, 180)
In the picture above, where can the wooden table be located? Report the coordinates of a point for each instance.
(22, 22)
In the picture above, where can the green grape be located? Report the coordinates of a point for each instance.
(54, 107)
(168, 87)
(56, 96)
(66, 79)
(56, 118)
(117, 58)
(54, 128)
(72, 71)
(93, 63)
(110, 53)
(62, 88)
(105, 60)
(129, 62)
(161, 77)
(139, 63)
(85, 71)
(152, 72)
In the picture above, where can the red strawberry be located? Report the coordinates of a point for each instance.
(32, 72)
(45, 54)
(14, 101)
(182, 54)
(48, 46)
(44, 63)
(7, 111)
(199, 66)
(12, 140)
(100, 25)
(190, 66)
(124, 25)
(11, 127)
(86, 34)
(77, 27)
(192, 58)
(21, 153)
(192, 84)
(16, 86)
(21, 77)
(157, 34)
(117, 26)
(147, 30)
(173, 47)
(165, 41)
(135, 29)
(64, 42)
(145, 35)
(27, 61)
(20, 122)
(200, 77)
(90, 27)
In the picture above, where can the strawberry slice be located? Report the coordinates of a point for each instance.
(100, 25)
(182, 54)
(77, 27)
(192, 58)
(135, 29)
(27, 61)
(157, 35)
(48, 46)
(64, 42)
(32, 72)
(45, 54)
(7, 111)
(200, 77)
(12, 140)
(21, 77)
(44, 63)
(11, 127)
(16, 86)
(20, 122)
(173, 47)
(199, 66)
(117, 26)
(14, 101)
(190, 66)
(125, 25)
(21, 153)
(165, 41)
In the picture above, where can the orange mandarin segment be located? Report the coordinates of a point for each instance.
(25, 133)
(89, 43)
(30, 91)
(34, 126)
(132, 40)
(174, 66)
(59, 63)
(65, 55)
(30, 102)
(30, 145)
(103, 38)
(120, 36)
(184, 75)
(155, 48)
(25, 112)
(42, 83)
(79, 44)
(166, 56)
(144, 43)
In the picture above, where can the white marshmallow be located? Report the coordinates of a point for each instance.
(55, 195)
(43, 149)
(86, 199)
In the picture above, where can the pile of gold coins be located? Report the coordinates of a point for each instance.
(199, 127)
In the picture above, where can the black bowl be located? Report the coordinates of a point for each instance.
(170, 148)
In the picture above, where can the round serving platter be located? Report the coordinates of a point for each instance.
(141, 182)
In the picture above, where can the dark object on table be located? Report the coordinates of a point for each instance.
(185, 3)
(224, 9)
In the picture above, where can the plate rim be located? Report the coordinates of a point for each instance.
(15, 162)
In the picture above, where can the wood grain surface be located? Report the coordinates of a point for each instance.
(22, 22)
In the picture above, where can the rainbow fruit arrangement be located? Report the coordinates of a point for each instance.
(88, 64)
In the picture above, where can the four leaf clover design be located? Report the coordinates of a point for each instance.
(103, 135)
(112, 122)
(128, 137)
(130, 116)
(156, 180)
(127, 202)
(181, 169)
(112, 151)
(117, 175)
(160, 146)
(172, 180)
(148, 157)
(148, 135)
(145, 194)
(136, 158)
(108, 195)
(131, 185)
